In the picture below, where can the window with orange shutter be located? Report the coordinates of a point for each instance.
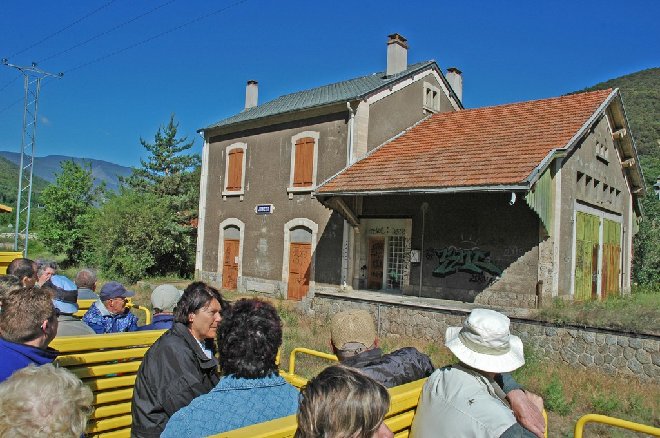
(304, 163)
(235, 170)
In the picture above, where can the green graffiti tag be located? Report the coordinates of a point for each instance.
(452, 260)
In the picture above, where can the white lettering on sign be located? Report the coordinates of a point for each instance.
(264, 209)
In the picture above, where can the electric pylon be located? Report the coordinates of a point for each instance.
(32, 76)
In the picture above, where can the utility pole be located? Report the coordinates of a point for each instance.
(32, 76)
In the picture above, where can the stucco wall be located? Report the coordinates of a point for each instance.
(589, 348)
(268, 169)
(581, 190)
(398, 111)
(466, 225)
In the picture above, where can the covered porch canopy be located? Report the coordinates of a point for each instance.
(507, 148)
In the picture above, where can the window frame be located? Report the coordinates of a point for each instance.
(225, 191)
(291, 189)
(435, 104)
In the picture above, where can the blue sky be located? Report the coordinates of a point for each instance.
(508, 51)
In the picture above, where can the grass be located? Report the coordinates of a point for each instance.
(637, 312)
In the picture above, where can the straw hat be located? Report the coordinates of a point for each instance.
(352, 327)
(485, 343)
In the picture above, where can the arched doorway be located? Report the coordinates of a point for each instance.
(300, 262)
(230, 258)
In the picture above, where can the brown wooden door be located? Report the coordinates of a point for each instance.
(611, 268)
(375, 263)
(300, 259)
(230, 264)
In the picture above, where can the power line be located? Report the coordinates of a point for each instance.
(98, 35)
(139, 43)
(68, 26)
(9, 83)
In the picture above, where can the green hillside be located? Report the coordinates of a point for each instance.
(9, 183)
(641, 97)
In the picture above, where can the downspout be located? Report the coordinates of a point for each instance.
(350, 136)
(199, 250)
(425, 207)
(346, 234)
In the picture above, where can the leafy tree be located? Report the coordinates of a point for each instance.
(134, 235)
(69, 204)
(172, 175)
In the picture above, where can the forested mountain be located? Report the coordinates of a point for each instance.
(641, 98)
(9, 183)
(46, 168)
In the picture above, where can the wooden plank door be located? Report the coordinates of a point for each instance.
(611, 257)
(300, 260)
(376, 253)
(586, 256)
(230, 264)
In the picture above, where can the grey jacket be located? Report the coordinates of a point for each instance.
(69, 325)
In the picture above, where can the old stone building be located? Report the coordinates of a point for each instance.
(385, 183)
(502, 205)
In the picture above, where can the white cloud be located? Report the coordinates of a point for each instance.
(45, 120)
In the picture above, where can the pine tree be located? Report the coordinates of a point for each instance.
(173, 177)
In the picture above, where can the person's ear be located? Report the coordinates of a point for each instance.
(191, 317)
(44, 326)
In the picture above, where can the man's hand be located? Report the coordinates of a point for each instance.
(528, 408)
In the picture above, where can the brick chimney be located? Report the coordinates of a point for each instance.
(251, 94)
(455, 79)
(397, 54)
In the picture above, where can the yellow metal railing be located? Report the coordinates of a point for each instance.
(611, 421)
(6, 258)
(309, 351)
(291, 376)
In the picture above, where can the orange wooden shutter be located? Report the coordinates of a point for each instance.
(304, 165)
(235, 177)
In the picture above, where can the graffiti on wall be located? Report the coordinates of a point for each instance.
(473, 261)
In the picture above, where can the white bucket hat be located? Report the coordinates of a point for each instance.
(484, 342)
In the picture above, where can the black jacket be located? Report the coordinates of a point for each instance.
(174, 371)
(399, 367)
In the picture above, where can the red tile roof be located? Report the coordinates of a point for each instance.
(499, 145)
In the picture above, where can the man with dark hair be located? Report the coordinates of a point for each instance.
(8, 284)
(25, 270)
(181, 364)
(109, 313)
(86, 282)
(251, 390)
(28, 323)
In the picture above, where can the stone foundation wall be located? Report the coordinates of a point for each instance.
(605, 351)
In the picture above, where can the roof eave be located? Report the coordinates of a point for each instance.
(428, 190)
(426, 65)
(579, 135)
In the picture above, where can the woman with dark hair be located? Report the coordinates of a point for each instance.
(251, 390)
(181, 364)
(342, 402)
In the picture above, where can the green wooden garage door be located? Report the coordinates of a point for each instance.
(586, 256)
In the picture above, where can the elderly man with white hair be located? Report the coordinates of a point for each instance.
(464, 400)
